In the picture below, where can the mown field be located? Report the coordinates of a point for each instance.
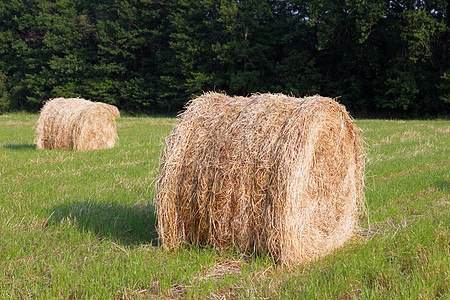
(81, 225)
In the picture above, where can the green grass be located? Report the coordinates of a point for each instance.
(81, 224)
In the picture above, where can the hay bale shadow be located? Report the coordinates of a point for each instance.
(13, 146)
(125, 224)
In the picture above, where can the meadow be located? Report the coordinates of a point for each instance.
(81, 225)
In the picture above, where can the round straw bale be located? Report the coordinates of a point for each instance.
(113, 109)
(78, 124)
(268, 174)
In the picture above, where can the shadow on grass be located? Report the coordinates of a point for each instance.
(443, 186)
(19, 146)
(127, 225)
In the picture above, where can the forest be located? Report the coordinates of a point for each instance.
(152, 56)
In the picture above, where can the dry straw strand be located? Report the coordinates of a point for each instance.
(267, 174)
(77, 124)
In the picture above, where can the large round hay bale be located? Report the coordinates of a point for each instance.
(78, 124)
(269, 173)
(113, 109)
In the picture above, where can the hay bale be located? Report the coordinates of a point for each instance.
(113, 109)
(78, 124)
(269, 173)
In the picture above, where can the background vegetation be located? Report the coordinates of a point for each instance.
(153, 55)
(81, 225)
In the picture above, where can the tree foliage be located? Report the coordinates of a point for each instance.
(154, 55)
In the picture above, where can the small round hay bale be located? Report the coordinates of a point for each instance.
(268, 174)
(78, 124)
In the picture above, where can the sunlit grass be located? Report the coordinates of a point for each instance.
(82, 224)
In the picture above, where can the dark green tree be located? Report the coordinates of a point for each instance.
(153, 56)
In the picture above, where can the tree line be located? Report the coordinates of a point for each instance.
(152, 56)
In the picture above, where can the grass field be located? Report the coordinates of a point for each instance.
(80, 225)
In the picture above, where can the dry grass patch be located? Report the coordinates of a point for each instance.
(19, 123)
(430, 166)
(443, 130)
(220, 270)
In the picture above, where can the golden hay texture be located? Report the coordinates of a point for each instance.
(267, 174)
(113, 109)
(78, 124)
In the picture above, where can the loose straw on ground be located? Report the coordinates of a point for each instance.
(266, 174)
